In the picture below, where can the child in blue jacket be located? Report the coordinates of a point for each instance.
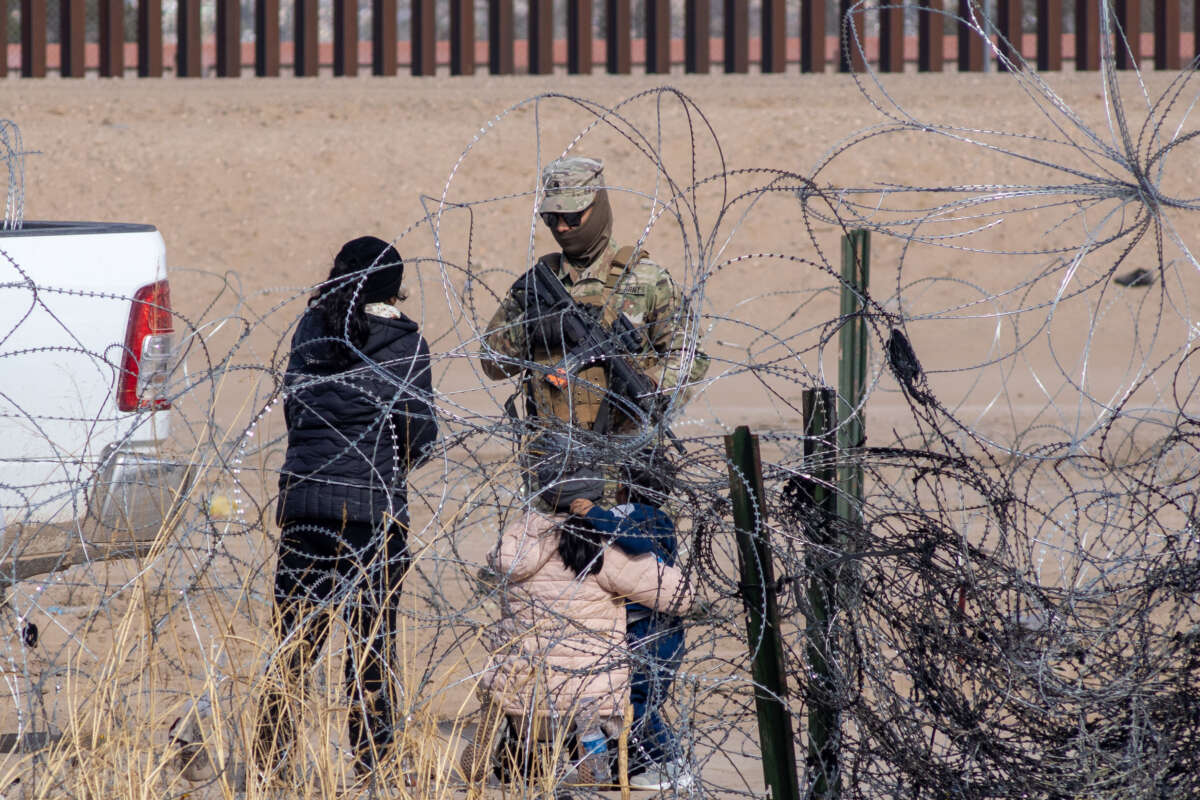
(655, 640)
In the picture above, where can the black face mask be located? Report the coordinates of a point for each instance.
(581, 245)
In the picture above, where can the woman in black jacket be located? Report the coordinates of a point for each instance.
(358, 409)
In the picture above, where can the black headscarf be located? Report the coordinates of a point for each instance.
(387, 269)
(341, 299)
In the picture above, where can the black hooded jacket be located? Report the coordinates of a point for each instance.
(354, 431)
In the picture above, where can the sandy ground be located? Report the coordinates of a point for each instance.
(267, 178)
(255, 184)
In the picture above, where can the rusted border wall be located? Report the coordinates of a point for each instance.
(742, 44)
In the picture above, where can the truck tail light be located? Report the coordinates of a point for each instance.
(147, 361)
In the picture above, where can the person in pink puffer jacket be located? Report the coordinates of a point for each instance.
(559, 658)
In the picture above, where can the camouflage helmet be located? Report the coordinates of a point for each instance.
(570, 184)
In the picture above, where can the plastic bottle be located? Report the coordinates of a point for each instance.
(593, 751)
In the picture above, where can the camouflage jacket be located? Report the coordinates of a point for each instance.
(644, 293)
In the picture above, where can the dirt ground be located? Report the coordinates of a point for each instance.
(264, 179)
(254, 185)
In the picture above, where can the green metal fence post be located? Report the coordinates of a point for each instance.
(820, 459)
(762, 615)
(852, 367)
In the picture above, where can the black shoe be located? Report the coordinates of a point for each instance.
(1138, 277)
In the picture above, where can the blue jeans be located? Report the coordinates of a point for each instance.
(656, 643)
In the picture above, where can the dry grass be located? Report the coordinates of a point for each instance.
(158, 688)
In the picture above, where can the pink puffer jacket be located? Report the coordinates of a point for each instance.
(561, 640)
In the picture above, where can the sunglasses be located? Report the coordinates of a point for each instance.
(573, 218)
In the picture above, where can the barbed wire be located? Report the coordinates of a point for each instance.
(14, 159)
(1010, 608)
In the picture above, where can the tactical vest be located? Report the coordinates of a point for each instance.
(581, 402)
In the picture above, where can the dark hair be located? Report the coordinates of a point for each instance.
(341, 299)
(580, 545)
(341, 309)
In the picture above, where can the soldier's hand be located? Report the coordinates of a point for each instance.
(544, 328)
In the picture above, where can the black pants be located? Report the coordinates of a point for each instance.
(326, 568)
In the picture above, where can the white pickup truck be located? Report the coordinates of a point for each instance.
(86, 353)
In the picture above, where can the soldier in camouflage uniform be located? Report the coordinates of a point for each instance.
(607, 280)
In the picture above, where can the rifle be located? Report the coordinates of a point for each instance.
(586, 341)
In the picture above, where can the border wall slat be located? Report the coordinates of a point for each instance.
(1087, 34)
(150, 39)
(891, 37)
(500, 37)
(931, 48)
(266, 38)
(33, 38)
(229, 38)
(970, 45)
(462, 37)
(618, 45)
(1049, 35)
(188, 62)
(1128, 51)
(304, 41)
(4, 38)
(383, 37)
(1196, 29)
(774, 36)
(1166, 35)
(112, 39)
(737, 36)
(1009, 25)
(71, 30)
(345, 37)
(812, 36)
(697, 31)
(424, 37)
(658, 36)
(850, 56)
(541, 37)
(579, 37)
